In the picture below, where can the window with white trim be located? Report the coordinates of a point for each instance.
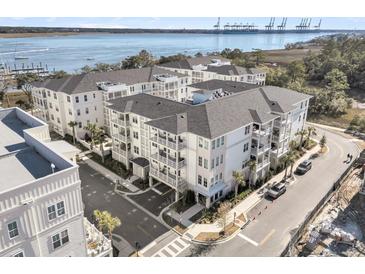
(60, 208)
(56, 210)
(13, 229)
(52, 212)
(60, 239)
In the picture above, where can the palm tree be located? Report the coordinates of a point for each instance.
(100, 218)
(291, 161)
(323, 142)
(238, 179)
(73, 124)
(92, 129)
(301, 133)
(293, 145)
(106, 221)
(252, 165)
(311, 131)
(285, 160)
(100, 137)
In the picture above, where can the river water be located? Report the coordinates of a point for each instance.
(70, 53)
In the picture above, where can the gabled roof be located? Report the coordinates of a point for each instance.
(88, 81)
(230, 86)
(195, 61)
(233, 70)
(150, 106)
(217, 117)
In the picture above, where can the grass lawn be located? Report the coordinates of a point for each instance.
(284, 57)
(13, 98)
(343, 121)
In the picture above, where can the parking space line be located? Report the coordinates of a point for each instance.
(248, 239)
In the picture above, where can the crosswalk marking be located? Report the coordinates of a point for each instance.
(248, 239)
(172, 249)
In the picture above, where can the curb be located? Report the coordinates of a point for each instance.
(221, 241)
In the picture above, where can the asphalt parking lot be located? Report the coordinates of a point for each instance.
(137, 225)
(153, 201)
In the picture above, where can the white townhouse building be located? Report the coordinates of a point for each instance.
(82, 98)
(215, 67)
(41, 209)
(198, 147)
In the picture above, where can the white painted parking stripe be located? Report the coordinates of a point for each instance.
(248, 239)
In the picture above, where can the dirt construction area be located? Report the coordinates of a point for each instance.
(339, 228)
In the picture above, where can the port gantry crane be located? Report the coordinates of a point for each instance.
(305, 24)
(282, 26)
(319, 24)
(271, 24)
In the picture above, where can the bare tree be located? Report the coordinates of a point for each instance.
(223, 210)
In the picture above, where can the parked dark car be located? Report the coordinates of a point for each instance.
(303, 167)
(276, 191)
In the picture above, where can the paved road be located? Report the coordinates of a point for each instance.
(137, 225)
(271, 231)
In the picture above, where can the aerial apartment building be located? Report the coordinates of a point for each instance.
(41, 209)
(215, 67)
(198, 147)
(81, 98)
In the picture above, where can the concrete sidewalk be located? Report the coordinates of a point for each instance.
(184, 218)
(247, 204)
(109, 174)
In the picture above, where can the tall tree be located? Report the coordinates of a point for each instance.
(296, 71)
(93, 130)
(323, 142)
(73, 124)
(141, 60)
(302, 133)
(105, 221)
(259, 56)
(336, 80)
(100, 137)
(252, 165)
(311, 131)
(238, 179)
(223, 210)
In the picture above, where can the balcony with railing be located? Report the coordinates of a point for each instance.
(255, 149)
(168, 178)
(262, 164)
(168, 160)
(120, 122)
(97, 244)
(280, 123)
(168, 142)
(263, 132)
(122, 137)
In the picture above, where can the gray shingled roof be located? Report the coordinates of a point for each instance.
(230, 86)
(226, 114)
(87, 82)
(150, 106)
(190, 62)
(233, 70)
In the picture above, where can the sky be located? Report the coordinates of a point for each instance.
(172, 22)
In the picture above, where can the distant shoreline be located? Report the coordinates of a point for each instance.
(24, 32)
(39, 34)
